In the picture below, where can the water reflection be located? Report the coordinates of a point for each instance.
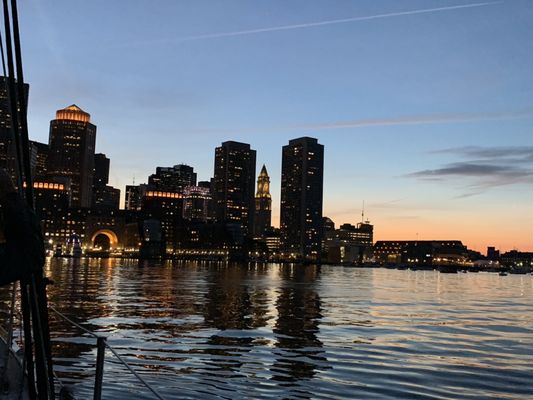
(298, 350)
(232, 303)
(216, 330)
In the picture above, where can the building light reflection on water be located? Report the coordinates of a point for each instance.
(282, 322)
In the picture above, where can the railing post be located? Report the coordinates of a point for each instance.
(100, 355)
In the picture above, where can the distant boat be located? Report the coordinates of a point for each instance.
(503, 273)
(448, 269)
(74, 246)
(76, 251)
(521, 271)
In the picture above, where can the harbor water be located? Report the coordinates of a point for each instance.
(207, 330)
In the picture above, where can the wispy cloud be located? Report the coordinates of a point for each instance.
(521, 154)
(484, 168)
(317, 23)
(419, 120)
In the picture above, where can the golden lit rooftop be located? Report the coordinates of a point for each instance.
(73, 113)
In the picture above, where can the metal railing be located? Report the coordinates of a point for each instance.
(101, 345)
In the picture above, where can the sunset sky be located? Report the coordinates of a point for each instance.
(425, 107)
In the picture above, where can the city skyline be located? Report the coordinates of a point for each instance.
(420, 143)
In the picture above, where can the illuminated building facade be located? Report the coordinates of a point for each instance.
(8, 152)
(349, 243)
(518, 260)
(39, 159)
(272, 240)
(263, 204)
(362, 234)
(234, 184)
(60, 225)
(72, 144)
(196, 201)
(301, 199)
(173, 179)
(420, 252)
(51, 199)
(167, 208)
(133, 197)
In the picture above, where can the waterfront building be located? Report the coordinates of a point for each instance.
(173, 179)
(52, 199)
(167, 208)
(420, 252)
(234, 184)
(71, 154)
(153, 244)
(362, 234)
(196, 202)
(104, 229)
(272, 238)
(8, 152)
(301, 199)
(208, 241)
(60, 226)
(518, 260)
(349, 243)
(328, 235)
(263, 204)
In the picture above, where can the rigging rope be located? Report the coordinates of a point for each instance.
(146, 384)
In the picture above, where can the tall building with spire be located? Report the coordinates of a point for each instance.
(302, 180)
(71, 152)
(263, 204)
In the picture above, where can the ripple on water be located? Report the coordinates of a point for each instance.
(217, 331)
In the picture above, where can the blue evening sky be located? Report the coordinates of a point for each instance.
(425, 109)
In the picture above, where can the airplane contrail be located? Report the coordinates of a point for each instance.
(331, 22)
(418, 120)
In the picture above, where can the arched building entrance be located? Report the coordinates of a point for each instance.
(104, 239)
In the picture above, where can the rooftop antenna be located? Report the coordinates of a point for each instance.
(363, 221)
(133, 179)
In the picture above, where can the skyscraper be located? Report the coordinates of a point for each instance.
(104, 196)
(173, 179)
(301, 199)
(196, 201)
(39, 159)
(72, 142)
(101, 170)
(263, 204)
(234, 184)
(133, 197)
(8, 152)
